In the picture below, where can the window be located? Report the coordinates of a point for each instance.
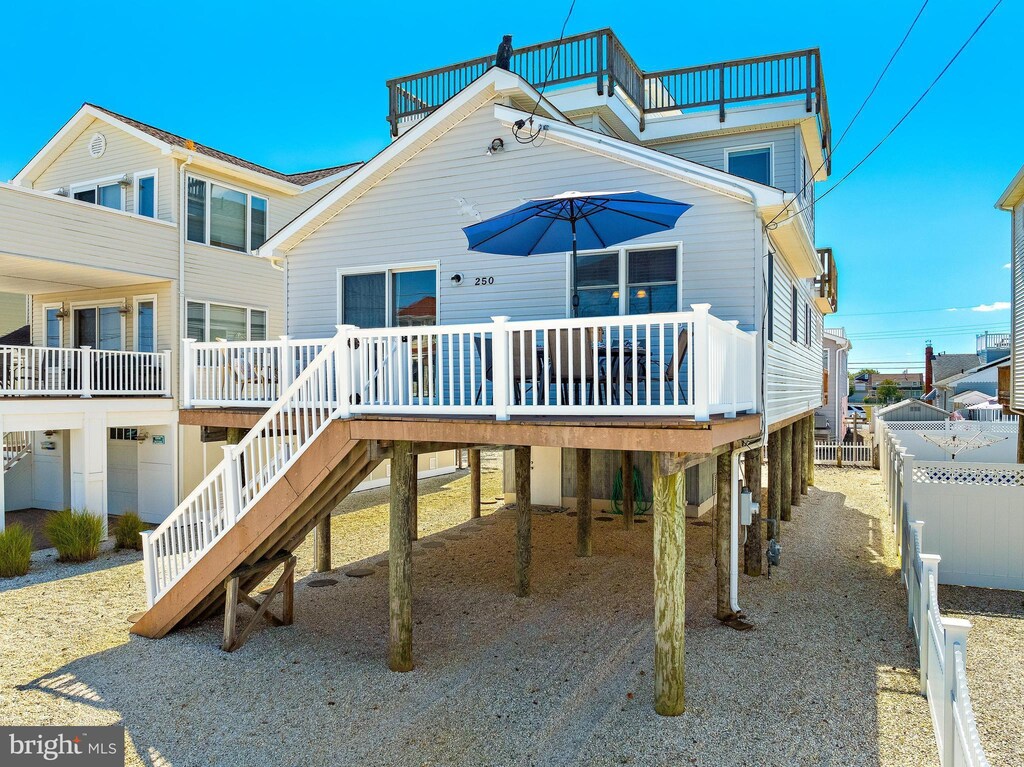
(754, 163)
(628, 282)
(390, 298)
(225, 217)
(53, 322)
(123, 435)
(145, 194)
(98, 327)
(109, 195)
(807, 324)
(221, 322)
(145, 325)
(795, 307)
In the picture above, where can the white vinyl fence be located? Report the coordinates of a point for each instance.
(827, 453)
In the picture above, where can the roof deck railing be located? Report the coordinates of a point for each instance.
(601, 58)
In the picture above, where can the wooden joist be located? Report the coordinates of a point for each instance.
(285, 585)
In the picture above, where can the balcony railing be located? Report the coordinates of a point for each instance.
(827, 284)
(681, 364)
(600, 57)
(32, 371)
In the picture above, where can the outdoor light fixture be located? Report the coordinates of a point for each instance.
(62, 192)
(124, 310)
(61, 313)
(497, 145)
(457, 278)
(125, 181)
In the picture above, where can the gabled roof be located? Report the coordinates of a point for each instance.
(905, 402)
(482, 91)
(946, 365)
(167, 141)
(1001, 362)
(1013, 194)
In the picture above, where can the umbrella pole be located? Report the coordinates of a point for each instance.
(575, 300)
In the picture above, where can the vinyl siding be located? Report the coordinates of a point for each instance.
(1017, 313)
(13, 312)
(124, 154)
(792, 369)
(414, 217)
(710, 150)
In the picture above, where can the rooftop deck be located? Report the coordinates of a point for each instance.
(600, 58)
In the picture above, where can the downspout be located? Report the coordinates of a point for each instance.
(734, 526)
(182, 228)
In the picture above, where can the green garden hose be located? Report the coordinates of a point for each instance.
(641, 505)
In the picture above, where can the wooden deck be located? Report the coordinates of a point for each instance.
(655, 434)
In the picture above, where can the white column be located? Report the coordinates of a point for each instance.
(929, 566)
(955, 632)
(89, 467)
(500, 368)
(700, 359)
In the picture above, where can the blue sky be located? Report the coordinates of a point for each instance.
(914, 229)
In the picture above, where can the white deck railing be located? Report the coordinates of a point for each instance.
(852, 455)
(33, 371)
(682, 363)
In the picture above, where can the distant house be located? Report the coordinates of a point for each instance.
(911, 385)
(829, 421)
(911, 410)
(1012, 200)
(981, 378)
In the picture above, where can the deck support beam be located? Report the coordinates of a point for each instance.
(403, 464)
(753, 548)
(584, 520)
(723, 532)
(786, 449)
(628, 502)
(322, 545)
(523, 521)
(285, 586)
(669, 591)
(774, 484)
(474, 483)
(797, 446)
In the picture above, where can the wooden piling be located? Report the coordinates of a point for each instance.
(753, 548)
(774, 484)
(809, 450)
(1020, 439)
(403, 463)
(584, 521)
(628, 501)
(787, 473)
(322, 545)
(414, 499)
(474, 483)
(723, 532)
(523, 521)
(797, 462)
(669, 590)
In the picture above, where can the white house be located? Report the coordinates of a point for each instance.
(830, 418)
(1012, 200)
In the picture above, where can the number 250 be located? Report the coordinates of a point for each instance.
(483, 281)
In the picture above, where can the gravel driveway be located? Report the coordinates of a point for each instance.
(564, 677)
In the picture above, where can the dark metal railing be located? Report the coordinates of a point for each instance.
(828, 282)
(600, 57)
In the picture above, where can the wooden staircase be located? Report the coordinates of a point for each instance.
(327, 471)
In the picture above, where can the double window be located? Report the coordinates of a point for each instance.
(107, 194)
(628, 282)
(98, 327)
(754, 163)
(225, 217)
(221, 322)
(389, 298)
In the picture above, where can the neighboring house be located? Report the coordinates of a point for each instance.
(125, 238)
(909, 384)
(1012, 200)
(909, 410)
(983, 378)
(830, 418)
(691, 341)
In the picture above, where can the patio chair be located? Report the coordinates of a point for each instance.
(564, 351)
(674, 366)
(484, 351)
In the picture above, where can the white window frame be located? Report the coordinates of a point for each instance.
(60, 325)
(156, 191)
(117, 302)
(95, 184)
(622, 255)
(206, 215)
(387, 271)
(769, 145)
(136, 300)
(206, 315)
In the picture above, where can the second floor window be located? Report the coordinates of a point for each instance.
(225, 217)
(108, 195)
(754, 163)
(220, 322)
(628, 282)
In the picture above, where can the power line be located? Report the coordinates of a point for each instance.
(906, 114)
(520, 124)
(834, 147)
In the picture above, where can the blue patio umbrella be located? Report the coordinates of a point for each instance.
(574, 221)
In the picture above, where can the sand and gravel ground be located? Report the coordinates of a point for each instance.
(563, 677)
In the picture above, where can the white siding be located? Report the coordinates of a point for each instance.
(793, 368)
(413, 216)
(1017, 314)
(710, 150)
(124, 154)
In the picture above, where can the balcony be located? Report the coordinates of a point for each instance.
(31, 371)
(683, 364)
(599, 58)
(826, 284)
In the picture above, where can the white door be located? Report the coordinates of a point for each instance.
(546, 476)
(122, 476)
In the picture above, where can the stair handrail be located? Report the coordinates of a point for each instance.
(315, 397)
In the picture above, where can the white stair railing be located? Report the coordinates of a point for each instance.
(17, 444)
(249, 469)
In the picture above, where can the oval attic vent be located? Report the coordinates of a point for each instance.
(97, 145)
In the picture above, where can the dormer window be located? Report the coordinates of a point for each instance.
(754, 163)
(225, 217)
